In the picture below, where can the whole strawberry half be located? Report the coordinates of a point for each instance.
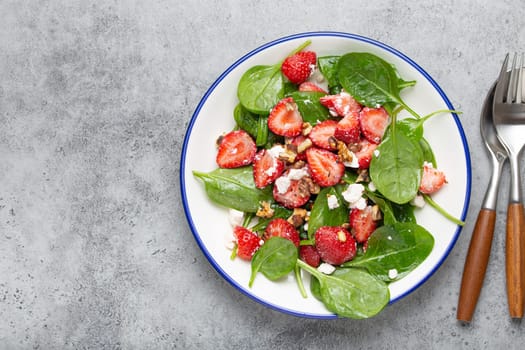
(310, 255)
(281, 228)
(335, 244)
(362, 223)
(285, 119)
(431, 180)
(374, 122)
(348, 129)
(340, 104)
(248, 242)
(266, 168)
(298, 67)
(295, 195)
(325, 167)
(322, 132)
(365, 152)
(235, 149)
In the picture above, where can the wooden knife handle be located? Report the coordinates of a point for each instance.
(476, 264)
(515, 259)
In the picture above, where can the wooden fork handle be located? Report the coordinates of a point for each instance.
(476, 264)
(515, 259)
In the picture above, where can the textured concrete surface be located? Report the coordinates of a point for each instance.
(95, 251)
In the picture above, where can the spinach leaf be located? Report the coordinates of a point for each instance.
(396, 167)
(371, 81)
(428, 153)
(309, 106)
(234, 188)
(328, 67)
(322, 215)
(397, 248)
(350, 292)
(276, 258)
(246, 120)
(260, 88)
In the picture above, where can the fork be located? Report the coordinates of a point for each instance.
(509, 118)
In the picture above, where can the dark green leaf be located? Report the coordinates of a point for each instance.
(234, 188)
(396, 167)
(260, 88)
(309, 106)
(328, 67)
(275, 259)
(395, 250)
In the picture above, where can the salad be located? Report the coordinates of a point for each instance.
(321, 176)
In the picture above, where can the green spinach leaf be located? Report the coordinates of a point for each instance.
(395, 250)
(276, 258)
(260, 88)
(352, 293)
(396, 167)
(328, 67)
(371, 81)
(309, 106)
(234, 188)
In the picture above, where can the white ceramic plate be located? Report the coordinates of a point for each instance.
(214, 115)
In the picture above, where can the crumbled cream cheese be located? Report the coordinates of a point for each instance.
(282, 183)
(325, 268)
(418, 201)
(229, 240)
(392, 274)
(359, 204)
(354, 163)
(276, 150)
(353, 192)
(235, 217)
(372, 187)
(376, 153)
(297, 174)
(332, 202)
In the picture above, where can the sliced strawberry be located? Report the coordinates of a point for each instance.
(309, 86)
(365, 152)
(374, 122)
(362, 223)
(281, 228)
(340, 104)
(431, 180)
(298, 67)
(322, 132)
(266, 168)
(291, 193)
(285, 119)
(325, 167)
(310, 255)
(348, 129)
(236, 149)
(335, 244)
(248, 242)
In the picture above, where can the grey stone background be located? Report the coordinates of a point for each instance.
(95, 97)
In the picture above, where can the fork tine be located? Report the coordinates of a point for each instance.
(502, 81)
(513, 81)
(519, 89)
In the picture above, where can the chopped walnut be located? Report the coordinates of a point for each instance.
(362, 176)
(298, 217)
(289, 154)
(342, 150)
(307, 127)
(298, 165)
(303, 146)
(376, 213)
(313, 188)
(265, 211)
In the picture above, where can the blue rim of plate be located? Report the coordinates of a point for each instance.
(308, 35)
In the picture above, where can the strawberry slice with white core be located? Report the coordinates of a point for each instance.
(321, 134)
(325, 167)
(362, 223)
(285, 119)
(374, 122)
(266, 168)
(340, 104)
(236, 149)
